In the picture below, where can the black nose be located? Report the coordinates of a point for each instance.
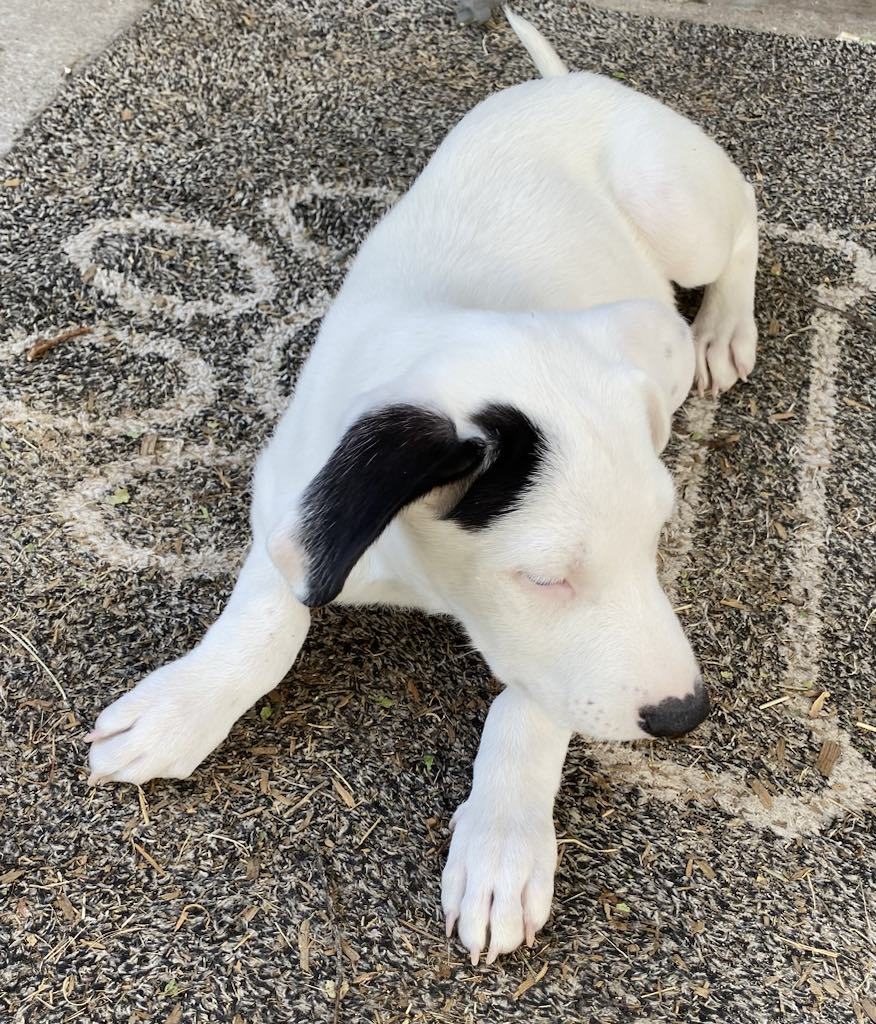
(676, 715)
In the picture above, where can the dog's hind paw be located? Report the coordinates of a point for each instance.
(725, 340)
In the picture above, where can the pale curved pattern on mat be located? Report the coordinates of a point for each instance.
(190, 204)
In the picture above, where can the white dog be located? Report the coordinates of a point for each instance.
(477, 433)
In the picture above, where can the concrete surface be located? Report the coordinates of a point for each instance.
(42, 42)
(824, 18)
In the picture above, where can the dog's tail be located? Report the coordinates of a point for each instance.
(544, 56)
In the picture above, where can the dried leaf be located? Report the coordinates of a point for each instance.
(762, 793)
(304, 945)
(344, 793)
(707, 869)
(818, 704)
(148, 443)
(71, 914)
(869, 1008)
(527, 983)
(828, 757)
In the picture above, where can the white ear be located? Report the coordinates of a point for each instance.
(659, 413)
(659, 343)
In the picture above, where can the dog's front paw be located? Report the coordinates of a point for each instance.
(163, 728)
(499, 876)
(725, 340)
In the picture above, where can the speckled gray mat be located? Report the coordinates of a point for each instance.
(192, 198)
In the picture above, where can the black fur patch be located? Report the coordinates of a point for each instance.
(385, 461)
(520, 448)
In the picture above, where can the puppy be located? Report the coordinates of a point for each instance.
(477, 433)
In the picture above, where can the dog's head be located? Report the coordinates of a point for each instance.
(523, 483)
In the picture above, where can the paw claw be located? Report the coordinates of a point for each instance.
(498, 881)
(725, 338)
(163, 728)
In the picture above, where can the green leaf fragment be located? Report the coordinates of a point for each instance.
(120, 496)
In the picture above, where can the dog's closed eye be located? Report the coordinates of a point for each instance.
(554, 584)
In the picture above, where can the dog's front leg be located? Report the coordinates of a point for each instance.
(500, 869)
(174, 717)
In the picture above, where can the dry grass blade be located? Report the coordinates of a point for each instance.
(808, 949)
(43, 345)
(371, 828)
(144, 807)
(148, 857)
(772, 703)
(527, 983)
(31, 650)
(184, 914)
(344, 793)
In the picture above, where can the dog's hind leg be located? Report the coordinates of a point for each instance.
(696, 213)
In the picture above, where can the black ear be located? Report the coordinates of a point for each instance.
(517, 448)
(385, 461)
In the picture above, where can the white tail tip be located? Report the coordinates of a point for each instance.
(544, 56)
